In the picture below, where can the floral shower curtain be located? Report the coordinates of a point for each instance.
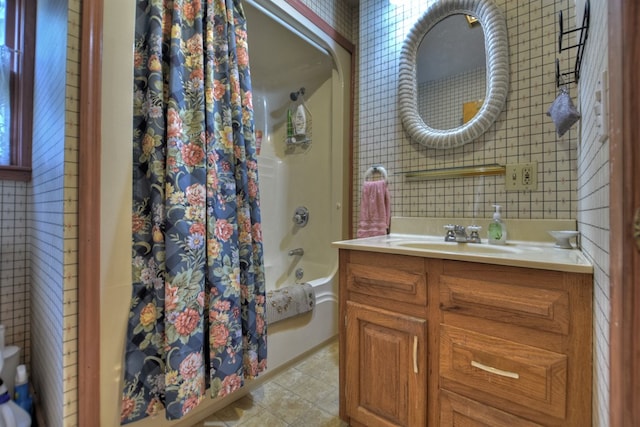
(197, 308)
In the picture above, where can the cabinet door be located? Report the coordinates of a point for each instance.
(386, 378)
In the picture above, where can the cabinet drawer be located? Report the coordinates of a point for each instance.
(541, 309)
(397, 278)
(458, 411)
(501, 373)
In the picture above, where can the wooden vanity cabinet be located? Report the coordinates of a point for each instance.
(383, 340)
(495, 345)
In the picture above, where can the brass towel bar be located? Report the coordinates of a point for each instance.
(456, 172)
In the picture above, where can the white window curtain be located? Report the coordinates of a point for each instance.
(5, 106)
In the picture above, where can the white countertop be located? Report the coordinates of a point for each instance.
(530, 254)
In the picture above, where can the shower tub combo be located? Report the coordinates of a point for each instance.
(301, 184)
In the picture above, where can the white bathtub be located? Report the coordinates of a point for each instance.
(283, 61)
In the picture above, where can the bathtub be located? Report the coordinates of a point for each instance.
(309, 176)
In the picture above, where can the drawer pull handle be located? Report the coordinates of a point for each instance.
(415, 354)
(496, 371)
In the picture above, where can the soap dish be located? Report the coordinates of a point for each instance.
(562, 238)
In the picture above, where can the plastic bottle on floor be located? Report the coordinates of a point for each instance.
(21, 393)
(11, 415)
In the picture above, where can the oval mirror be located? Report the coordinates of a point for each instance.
(461, 127)
(451, 87)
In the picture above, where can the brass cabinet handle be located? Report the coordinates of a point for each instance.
(415, 354)
(493, 370)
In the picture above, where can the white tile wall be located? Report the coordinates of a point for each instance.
(53, 211)
(14, 266)
(47, 209)
(337, 13)
(593, 200)
(522, 133)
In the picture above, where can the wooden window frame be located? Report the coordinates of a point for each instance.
(21, 38)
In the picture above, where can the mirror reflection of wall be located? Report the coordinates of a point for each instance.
(451, 68)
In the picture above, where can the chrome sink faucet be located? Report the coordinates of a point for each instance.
(458, 233)
(461, 234)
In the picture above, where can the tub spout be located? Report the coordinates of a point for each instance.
(296, 252)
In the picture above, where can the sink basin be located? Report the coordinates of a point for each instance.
(528, 254)
(467, 248)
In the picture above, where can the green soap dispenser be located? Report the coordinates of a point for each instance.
(497, 231)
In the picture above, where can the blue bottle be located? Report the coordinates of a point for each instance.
(21, 393)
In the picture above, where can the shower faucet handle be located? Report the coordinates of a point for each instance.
(301, 216)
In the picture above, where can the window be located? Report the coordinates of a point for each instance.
(17, 47)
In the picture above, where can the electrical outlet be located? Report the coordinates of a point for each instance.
(521, 176)
(529, 176)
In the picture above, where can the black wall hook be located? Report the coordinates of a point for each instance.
(584, 32)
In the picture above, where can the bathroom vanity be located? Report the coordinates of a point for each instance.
(451, 335)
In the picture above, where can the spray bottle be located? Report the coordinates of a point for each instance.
(11, 415)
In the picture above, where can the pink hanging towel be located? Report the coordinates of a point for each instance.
(375, 209)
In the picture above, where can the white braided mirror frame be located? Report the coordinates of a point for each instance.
(497, 54)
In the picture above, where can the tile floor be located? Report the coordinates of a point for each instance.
(303, 395)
